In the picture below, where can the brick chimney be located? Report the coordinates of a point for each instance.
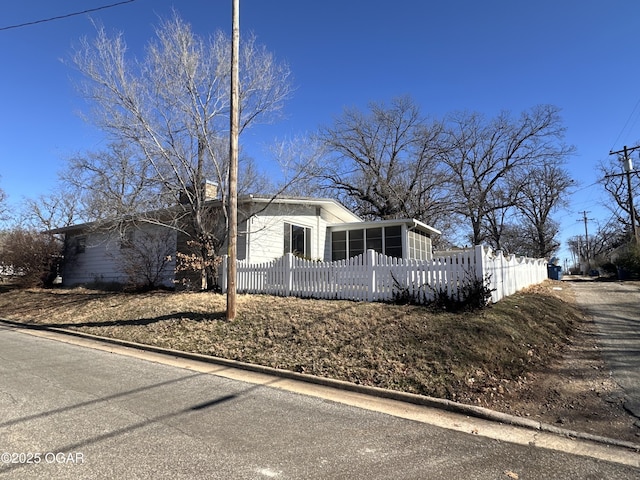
(210, 192)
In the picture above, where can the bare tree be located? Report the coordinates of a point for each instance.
(47, 212)
(607, 239)
(484, 155)
(114, 182)
(301, 162)
(522, 223)
(498, 226)
(172, 108)
(615, 184)
(544, 190)
(4, 209)
(31, 255)
(514, 239)
(385, 164)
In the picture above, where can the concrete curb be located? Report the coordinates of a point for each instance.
(438, 403)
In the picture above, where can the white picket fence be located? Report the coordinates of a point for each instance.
(376, 277)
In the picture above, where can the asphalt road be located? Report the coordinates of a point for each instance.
(615, 308)
(67, 411)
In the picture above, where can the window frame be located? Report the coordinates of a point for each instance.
(369, 238)
(419, 245)
(291, 229)
(80, 244)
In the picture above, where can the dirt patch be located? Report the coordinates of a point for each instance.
(532, 354)
(575, 391)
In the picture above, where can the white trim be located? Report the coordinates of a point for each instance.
(409, 222)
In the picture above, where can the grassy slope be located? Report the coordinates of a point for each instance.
(462, 357)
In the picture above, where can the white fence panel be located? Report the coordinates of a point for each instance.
(507, 275)
(376, 277)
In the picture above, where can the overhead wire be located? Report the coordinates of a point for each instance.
(60, 17)
(624, 128)
(584, 188)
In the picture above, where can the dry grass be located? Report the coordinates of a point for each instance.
(533, 354)
(468, 357)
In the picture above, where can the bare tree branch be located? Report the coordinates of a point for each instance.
(385, 164)
(484, 156)
(171, 108)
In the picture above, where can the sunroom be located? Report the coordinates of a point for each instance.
(407, 238)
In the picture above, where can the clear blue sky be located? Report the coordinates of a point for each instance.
(580, 55)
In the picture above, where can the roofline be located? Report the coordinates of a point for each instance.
(241, 199)
(410, 222)
(298, 201)
(71, 228)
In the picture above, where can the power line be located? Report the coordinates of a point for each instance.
(584, 188)
(60, 17)
(627, 123)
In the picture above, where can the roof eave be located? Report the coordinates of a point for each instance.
(410, 222)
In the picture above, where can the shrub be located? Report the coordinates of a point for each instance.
(629, 261)
(146, 259)
(33, 257)
(473, 294)
(608, 268)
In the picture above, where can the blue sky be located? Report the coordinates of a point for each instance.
(448, 55)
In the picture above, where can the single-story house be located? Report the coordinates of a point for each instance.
(315, 228)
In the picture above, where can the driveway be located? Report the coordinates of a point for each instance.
(615, 308)
(90, 413)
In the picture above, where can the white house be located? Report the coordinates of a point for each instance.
(315, 228)
(98, 256)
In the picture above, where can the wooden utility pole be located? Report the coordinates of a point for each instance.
(586, 235)
(628, 168)
(232, 234)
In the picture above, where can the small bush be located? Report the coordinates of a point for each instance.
(608, 268)
(628, 262)
(473, 294)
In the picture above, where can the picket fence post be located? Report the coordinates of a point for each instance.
(370, 262)
(480, 263)
(288, 274)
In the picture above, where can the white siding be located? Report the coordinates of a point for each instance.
(266, 231)
(101, 261)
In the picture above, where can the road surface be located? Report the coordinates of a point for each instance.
(615, 308)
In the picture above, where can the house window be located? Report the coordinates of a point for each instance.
(350, 243)
(339, 245)
(297, 240)
(81, 244)
(374, 239)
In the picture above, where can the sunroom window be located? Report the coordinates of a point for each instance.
(350, 243)
(419, 245)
